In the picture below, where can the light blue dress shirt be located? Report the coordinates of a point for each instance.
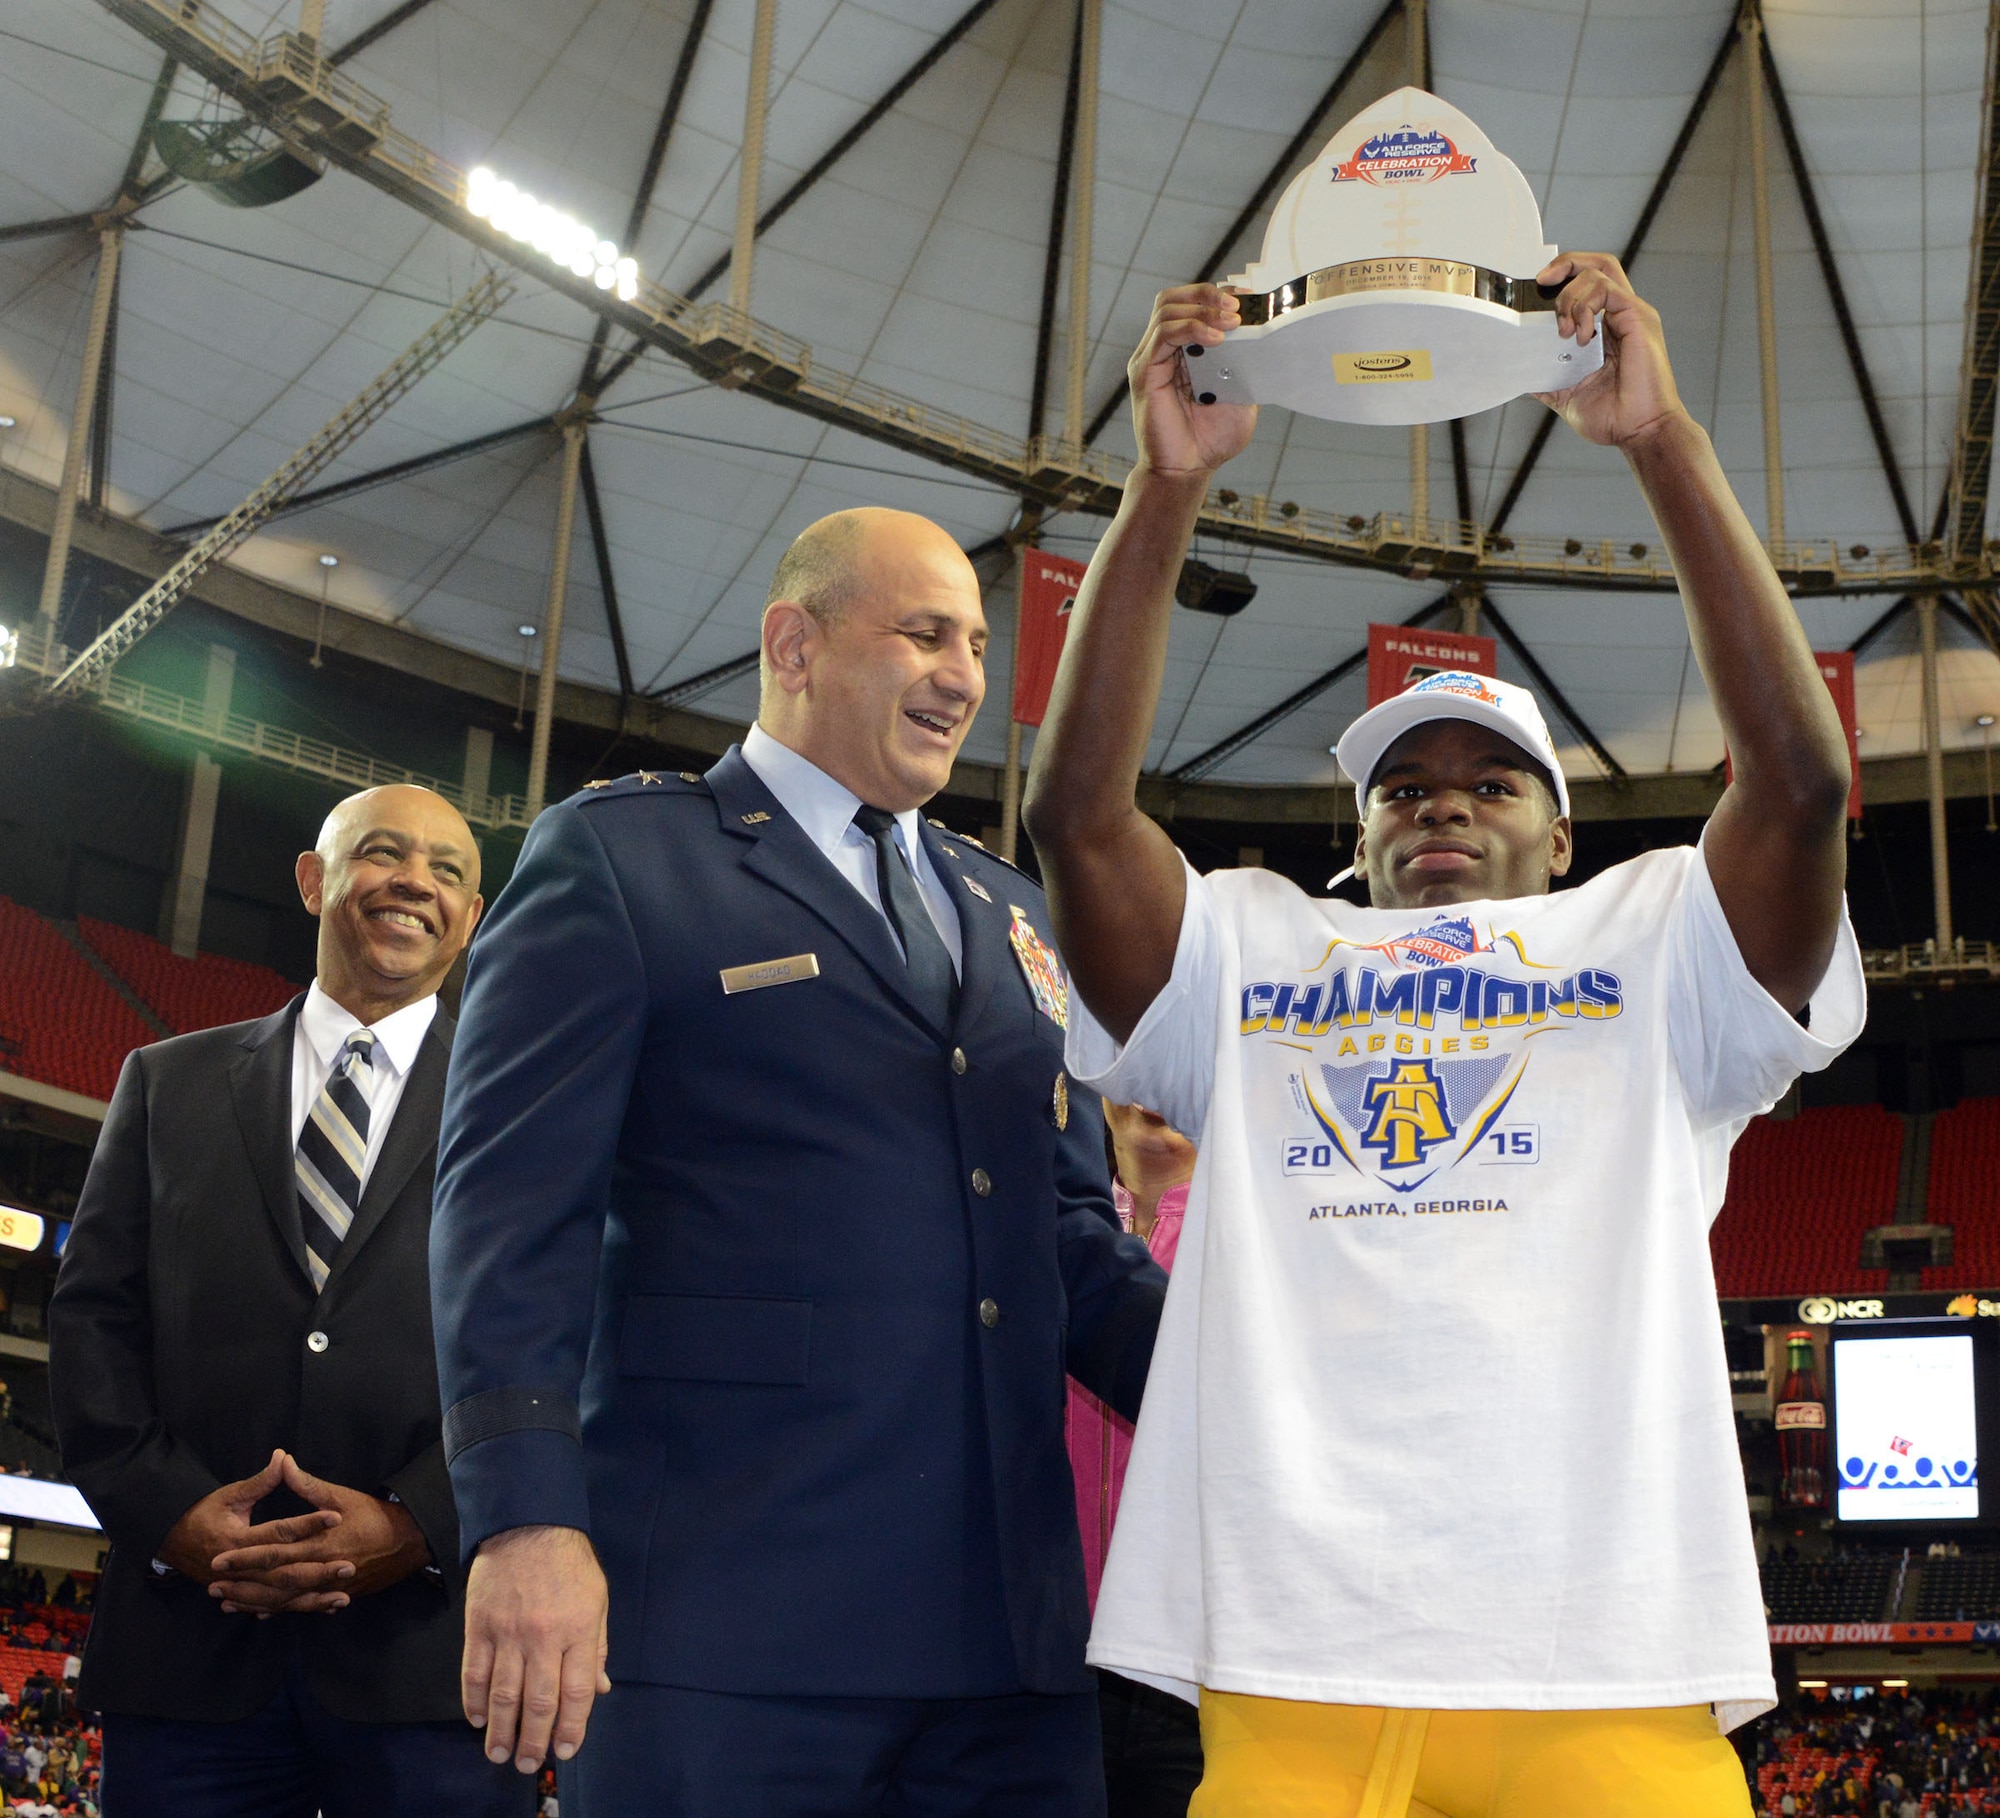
(825, 810)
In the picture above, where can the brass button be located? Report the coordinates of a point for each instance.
(989, 1314)
(316, 1341)
(958, 1060)
(982, 1182)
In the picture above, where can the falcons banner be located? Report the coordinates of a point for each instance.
(1836, 668)
(1048, 593)
(1399, 656)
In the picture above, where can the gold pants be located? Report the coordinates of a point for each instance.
(1277, 1758)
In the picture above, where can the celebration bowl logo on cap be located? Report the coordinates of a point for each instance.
(1456, 681)
(1407, 155)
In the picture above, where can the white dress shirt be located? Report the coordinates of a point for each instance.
(825, 810)
(317, 1039)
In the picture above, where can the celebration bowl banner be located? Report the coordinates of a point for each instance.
(1878, 1634)
(1049, 585)
(1399, 657)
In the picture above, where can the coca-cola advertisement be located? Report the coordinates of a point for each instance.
(1800, 1416)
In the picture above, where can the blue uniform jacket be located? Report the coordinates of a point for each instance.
(772, 1291)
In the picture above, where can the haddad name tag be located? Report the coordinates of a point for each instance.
(769, 972)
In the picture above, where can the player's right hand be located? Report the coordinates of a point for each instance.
(1176, 435)
(535, 1641)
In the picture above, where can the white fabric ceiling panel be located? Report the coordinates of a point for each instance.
(918, 262)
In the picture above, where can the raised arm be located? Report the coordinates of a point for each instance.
(1114, 879)
(1776, 841)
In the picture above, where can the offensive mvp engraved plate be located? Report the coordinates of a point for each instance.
(769, 972)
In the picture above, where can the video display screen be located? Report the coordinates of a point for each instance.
(1906, 1429)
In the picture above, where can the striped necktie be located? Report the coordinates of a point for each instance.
(333, 1147)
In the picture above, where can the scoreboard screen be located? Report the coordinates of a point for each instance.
(1912, 1401)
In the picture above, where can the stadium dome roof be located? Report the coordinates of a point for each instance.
(917, 259)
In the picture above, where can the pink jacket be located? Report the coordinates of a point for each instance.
(1100, 1442)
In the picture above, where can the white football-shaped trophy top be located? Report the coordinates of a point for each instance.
(1409, 176)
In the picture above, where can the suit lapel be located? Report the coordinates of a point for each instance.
(412, 1137)
(778, 851)
(982, 930)
(260, 1086)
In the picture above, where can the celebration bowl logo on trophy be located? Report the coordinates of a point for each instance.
(1388, 295)
(1404, 156)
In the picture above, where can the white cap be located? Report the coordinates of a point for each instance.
(1452, 694)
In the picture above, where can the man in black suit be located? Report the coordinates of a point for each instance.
(244, 1383)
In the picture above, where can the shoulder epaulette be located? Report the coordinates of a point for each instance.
(979, 846)
(599, 788)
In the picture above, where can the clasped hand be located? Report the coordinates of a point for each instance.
(348, 1545)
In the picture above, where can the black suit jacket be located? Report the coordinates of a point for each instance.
(178, 1360)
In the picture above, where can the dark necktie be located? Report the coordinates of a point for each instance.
(333, 1147)
(932, 978)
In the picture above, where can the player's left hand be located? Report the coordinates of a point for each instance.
(1632, 394)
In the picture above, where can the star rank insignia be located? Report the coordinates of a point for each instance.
(646, 776)
(598, 782)
(688, 776)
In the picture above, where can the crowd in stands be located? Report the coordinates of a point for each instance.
(49, 1754)
(1887, 1754)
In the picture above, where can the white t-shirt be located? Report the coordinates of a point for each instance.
(1439, 1414)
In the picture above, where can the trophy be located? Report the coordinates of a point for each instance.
(1397, 283)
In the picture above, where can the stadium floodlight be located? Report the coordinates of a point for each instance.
(560, 237)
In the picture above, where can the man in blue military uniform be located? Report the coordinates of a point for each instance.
(766, 1228)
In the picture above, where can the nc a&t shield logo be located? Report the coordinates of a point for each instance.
(1407, 1117)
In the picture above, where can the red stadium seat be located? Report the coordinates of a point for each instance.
(1965, 1192)
(62, 1023)
(1801, 1194)
(186, 994)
